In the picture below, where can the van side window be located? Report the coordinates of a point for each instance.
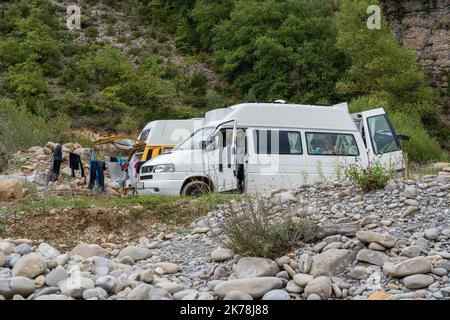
(277, 142)
(333, 144)
(382, 134)
(144, 135)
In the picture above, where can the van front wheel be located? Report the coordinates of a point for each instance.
(195, 188)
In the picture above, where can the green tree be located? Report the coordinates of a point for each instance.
(280, 49)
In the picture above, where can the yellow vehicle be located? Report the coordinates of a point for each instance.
(156, 138)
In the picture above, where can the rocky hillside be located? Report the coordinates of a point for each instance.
(391, 244)
(424, 26)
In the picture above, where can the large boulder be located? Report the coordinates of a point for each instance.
(331, 262)
(369, 236)
(88, 250)
(249, 267)
(408, 267)
(255, 287)
(10, 189)
(30, 266)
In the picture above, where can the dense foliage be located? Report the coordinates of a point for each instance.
(203, 54)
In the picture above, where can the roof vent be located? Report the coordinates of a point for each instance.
(280, 101)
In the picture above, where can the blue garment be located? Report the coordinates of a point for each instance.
(96, 175)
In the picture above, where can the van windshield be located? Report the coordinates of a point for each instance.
(194, 142)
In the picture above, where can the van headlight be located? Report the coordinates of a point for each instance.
(164, 168)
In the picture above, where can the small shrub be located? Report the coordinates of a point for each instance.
(252, 233)
(374, 176)
(91, 32)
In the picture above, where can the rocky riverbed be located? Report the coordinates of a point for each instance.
(398, 248)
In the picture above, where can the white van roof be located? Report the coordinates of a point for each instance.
(170, 132)
(284, 116)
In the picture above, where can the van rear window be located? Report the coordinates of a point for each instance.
(331, 144)
(277, 142)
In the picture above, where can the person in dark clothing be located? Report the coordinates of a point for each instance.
(75, 163)
(96, 175)
(56, 165)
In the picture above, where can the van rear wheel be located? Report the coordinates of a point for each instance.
(195, 188)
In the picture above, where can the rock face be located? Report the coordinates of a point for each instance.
(320, 286)
(422, 26)
(331, 262)
(29, 266)
(408, 267)
(10, 189)
(249, 267)
(368, 236)
(255, 287)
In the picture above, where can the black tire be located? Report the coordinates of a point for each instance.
(195, 188)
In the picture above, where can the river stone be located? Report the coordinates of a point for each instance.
(22, 249)
(106, 282)
(47, 251)
(75, 286)
(371, 256)
(168, 267)
(56, 276)
(140, 292)
(147, 276)
(302, 279)
(249, 267)
(30, 266)
(256, 287)
(237, 295)
(88, 250)
(331, 262)
(432, 233)
(221, 254)
(408, 267)
(2, 259)
(293, 287)
(276, 295)
(6, 247)
(22, 285)
(159, 294)
(52, 297)
(370, 236)
(98, 293)
(411, 251)
(418, 281)
(135, 253)
(320, 286)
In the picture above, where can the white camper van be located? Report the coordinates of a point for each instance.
(257, 147)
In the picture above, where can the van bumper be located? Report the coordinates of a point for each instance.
(160, 187)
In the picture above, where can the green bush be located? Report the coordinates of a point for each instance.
(251, 232)
(374, 176)
(21, 129)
